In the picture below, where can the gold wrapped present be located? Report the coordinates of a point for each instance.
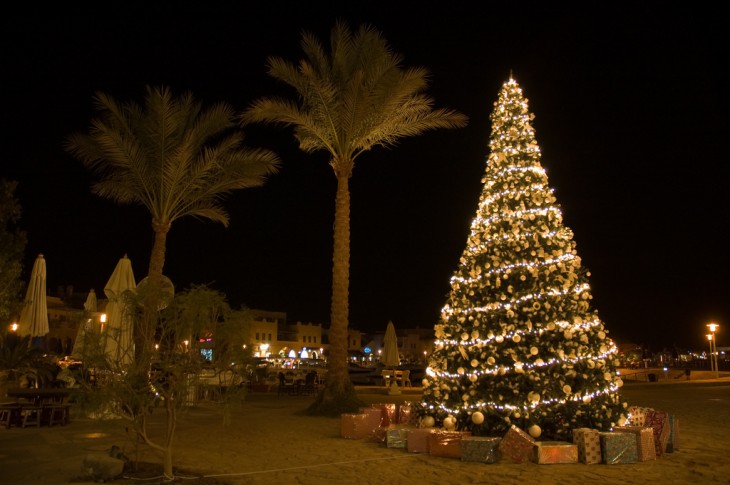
(417, 439)
(551, 452)
(446, 444)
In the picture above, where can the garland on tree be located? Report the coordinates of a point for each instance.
(518, 342)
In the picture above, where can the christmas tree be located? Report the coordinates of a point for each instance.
(518, 341)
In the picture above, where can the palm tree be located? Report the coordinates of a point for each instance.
(174, 158)
(349, 100)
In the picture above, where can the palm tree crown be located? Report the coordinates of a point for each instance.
(172, 156)
(351, 99)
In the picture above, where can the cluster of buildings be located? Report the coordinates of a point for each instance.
(270, 335)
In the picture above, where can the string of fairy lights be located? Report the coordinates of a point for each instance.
(512, 266)
(612, 388)
(495, 306)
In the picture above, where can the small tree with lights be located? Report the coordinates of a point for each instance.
(518, 342)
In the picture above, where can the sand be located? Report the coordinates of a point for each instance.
(268, 440)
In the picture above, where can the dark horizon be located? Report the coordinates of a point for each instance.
(630, 115)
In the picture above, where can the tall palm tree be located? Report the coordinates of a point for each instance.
(174, 158)
(349, 100)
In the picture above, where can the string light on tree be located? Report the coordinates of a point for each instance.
(518, 341)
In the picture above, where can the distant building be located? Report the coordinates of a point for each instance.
(270, 334)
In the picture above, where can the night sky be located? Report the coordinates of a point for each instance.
(630, 113)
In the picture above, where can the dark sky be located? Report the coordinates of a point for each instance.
(630, 108)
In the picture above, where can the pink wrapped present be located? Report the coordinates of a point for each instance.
(551, 452)
(353, 426)
(646, 450)
(417, 439)
(659, 422)
(446, 444)
(388, 413)
(406, 415)
(637, 415)
(588, 442)
(516, 445)
(375, 418)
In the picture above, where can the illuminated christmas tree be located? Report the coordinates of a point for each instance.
(518, 341)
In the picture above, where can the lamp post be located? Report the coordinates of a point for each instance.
(712, 362)
(713, 348)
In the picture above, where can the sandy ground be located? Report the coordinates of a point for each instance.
(268, 440)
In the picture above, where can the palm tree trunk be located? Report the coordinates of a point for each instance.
(145, 334)
(339, 395)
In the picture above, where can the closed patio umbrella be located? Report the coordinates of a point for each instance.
(91, 302)
(390, 357)
(34, 314)
(118, 330)
(86, 326)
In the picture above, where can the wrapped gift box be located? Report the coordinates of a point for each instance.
(446, 444)
(672, 442)
(353, 426)
(406, 415)
(388, 414)
(396, 436)
(551, 452)
(417, 439)
(588, 442)
(637, 415)
(659, 422)
(482, 449)
(618, 448)
(645, 448)
(516, 445)
(374, 418)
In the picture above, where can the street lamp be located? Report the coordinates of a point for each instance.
(713, 347)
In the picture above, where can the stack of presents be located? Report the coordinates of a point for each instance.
(647, 435)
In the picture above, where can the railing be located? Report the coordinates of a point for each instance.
(653, 375)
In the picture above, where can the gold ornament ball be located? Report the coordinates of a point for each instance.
(477, 418)
(535, 431)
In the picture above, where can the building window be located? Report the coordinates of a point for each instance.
(304, 339)
(257, 335)
(315, 340)
(269, 337)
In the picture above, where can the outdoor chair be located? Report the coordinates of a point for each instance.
(310, 383)
(406, 378)
(31, 415)
(10, 414)
(286, 385)
(55, 413)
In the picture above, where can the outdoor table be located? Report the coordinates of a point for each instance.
(389, 375)
(41, 395)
